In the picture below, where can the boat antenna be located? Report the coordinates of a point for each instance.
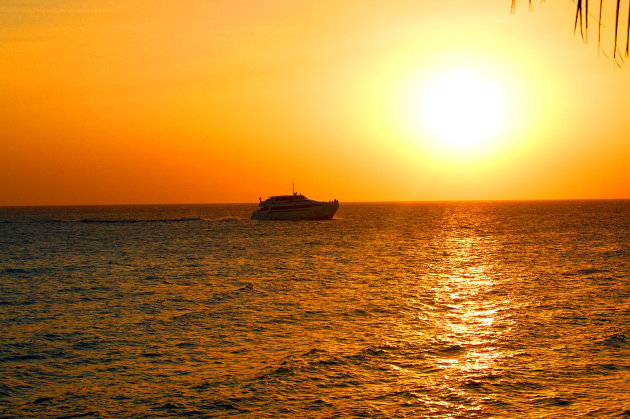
(293, 188)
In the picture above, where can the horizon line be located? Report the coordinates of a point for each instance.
(346, 202)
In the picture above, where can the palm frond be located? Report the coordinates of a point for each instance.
(616, 28)
(586, 20)
(582, 15)
(578, 16)
(599, 27)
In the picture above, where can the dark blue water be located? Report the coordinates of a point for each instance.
(390, 310)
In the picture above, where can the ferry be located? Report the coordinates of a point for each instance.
(294, 207)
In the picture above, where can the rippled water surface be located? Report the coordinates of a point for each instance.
(390, 310)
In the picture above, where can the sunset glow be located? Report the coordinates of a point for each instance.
(136, 102)
(314, 208)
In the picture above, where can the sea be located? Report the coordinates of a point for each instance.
(389, 310)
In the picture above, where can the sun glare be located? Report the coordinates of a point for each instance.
(462, 110)
(458, 114)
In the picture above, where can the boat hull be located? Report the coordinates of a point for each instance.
(321, 211)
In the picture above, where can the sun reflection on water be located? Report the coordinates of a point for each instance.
(469, 319)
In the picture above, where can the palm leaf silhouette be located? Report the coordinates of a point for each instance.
(581, 22)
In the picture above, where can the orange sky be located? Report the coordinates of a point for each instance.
(110, 102)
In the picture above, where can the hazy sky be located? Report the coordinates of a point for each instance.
(107, 102)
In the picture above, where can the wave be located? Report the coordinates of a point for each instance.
(616, 340)
(585, 271)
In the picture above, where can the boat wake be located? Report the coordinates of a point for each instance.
(227, 218)
(135, 220)
(124, 221)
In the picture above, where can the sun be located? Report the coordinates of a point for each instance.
(462, 110)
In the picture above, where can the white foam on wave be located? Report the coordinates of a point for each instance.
(228, 218)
